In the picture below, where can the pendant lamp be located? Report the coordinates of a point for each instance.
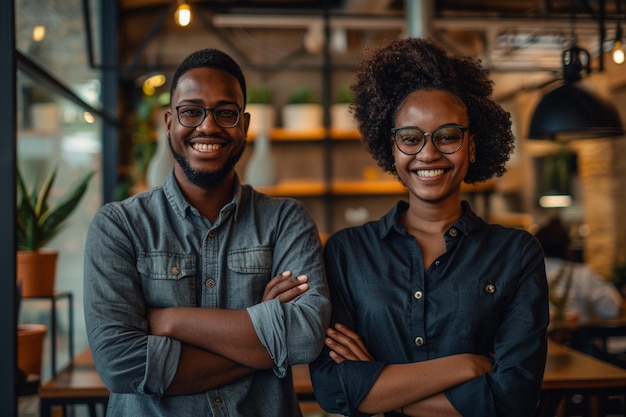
(573, 110)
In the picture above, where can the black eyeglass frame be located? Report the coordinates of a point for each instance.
(206, 110)
(463, 129)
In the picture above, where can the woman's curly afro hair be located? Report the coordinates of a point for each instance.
(387, 75)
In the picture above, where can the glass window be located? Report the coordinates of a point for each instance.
(57, 133)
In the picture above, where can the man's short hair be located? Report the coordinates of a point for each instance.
(210, 58)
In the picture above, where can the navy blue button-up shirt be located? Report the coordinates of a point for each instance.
(155, 250)
(486, 294)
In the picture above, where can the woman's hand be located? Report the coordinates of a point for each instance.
(285, 288)
(346, 344)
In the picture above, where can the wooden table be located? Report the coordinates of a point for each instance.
(569, 372)
(79, 383)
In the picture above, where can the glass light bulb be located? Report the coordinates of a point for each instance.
(183, 15)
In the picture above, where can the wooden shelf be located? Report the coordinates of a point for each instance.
(295, 188)
(382, 187)
(281, 134)
(309, 188)
(345, 134)
(312, 188)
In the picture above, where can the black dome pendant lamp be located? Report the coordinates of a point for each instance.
(573, 110)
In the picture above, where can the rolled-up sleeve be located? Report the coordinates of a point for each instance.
(293, 333)
(127, 359)
(340, 388)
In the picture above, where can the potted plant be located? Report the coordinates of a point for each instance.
(303, 110)
(37, 223)
(262, 111)
(340, 115)
(30, 339)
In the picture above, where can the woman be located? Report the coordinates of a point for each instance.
(435, 312)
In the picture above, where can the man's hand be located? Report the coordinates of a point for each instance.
(346, 344)
(285, 288)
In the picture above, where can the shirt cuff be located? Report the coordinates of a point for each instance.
(269, 323)
(356, 379)
(162, 357)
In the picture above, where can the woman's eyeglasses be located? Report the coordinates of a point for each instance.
(446, 139)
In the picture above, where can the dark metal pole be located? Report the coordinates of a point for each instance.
(110, 86)
(8, 299)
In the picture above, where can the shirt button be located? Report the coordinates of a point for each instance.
(490, 288)
(419, 340)
(210, 283)
(437, 262)
(217, 401)
(453, 232)
(418, 295)
(175, 270)
(212, 233)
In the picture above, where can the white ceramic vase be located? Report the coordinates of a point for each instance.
(162, 161)
(261, 170)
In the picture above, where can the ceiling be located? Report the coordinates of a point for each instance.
(521, 41)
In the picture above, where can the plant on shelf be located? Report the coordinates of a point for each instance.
(37, 223)
(260, 94)
(344, 95)
(340, 115)
(303, 110)
(262, 111)
(302, 95)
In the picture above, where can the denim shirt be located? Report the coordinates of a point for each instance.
(486, 294)
(155, 250)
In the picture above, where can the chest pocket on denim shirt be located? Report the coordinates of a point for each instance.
(249, 270)
(481, 308)
(168, 279)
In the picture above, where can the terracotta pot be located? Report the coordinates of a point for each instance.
(30, 339)
(37, 271)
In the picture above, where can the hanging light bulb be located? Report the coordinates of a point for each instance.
(618, 52)
(39, 33)
(183, 14)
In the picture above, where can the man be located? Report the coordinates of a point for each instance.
(182, 313)
(588, 296)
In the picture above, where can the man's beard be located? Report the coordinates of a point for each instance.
(205, 179)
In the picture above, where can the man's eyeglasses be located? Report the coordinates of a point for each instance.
(446, 139)
(190, 115)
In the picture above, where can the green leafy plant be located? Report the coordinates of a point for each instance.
(344, 95)
(260, 94)
(303, 95)
(37, 222)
